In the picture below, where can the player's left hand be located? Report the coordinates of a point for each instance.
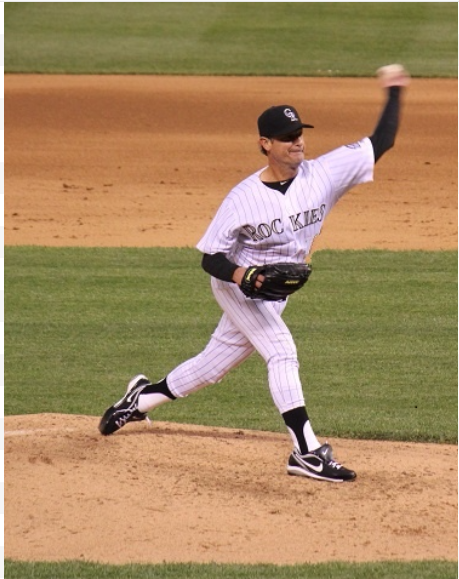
(393, 75)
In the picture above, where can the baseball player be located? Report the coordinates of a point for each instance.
(270, 217)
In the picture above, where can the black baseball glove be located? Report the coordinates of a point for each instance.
(281, 280)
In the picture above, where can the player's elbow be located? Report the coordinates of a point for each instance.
(382, 145)
(205, 262)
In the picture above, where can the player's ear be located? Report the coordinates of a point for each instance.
(265, 144)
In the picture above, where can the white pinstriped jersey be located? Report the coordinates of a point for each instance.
(256, 224)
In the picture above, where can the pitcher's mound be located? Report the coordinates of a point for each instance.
(180, 493)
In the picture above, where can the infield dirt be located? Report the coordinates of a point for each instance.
(145, 161)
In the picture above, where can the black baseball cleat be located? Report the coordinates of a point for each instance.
(319, 464)
(125, 410)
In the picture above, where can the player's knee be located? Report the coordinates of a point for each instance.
(283, 362)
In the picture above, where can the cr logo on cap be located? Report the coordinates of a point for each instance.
(290, 114)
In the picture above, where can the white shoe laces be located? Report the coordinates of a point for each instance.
(335, 464)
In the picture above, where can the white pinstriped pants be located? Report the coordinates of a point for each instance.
(246, 325)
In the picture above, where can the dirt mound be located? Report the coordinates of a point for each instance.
(188, 493)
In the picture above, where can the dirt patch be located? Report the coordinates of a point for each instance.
(187, 493)
(145, 161)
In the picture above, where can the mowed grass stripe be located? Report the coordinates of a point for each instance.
(231, 38)
(376, 333)
(340, 570)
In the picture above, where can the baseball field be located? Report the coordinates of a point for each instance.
(125, 126)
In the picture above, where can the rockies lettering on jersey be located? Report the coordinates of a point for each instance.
(298, 221)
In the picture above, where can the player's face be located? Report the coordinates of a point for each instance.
(287, 149)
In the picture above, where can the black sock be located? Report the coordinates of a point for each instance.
(295, 420)
(159, 388)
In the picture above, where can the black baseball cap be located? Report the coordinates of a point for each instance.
(280, 120)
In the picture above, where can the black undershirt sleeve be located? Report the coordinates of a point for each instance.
(217, 265)
(383, 137)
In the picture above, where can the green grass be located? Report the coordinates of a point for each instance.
(78, 570)
(376, 333)
(231, 38)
